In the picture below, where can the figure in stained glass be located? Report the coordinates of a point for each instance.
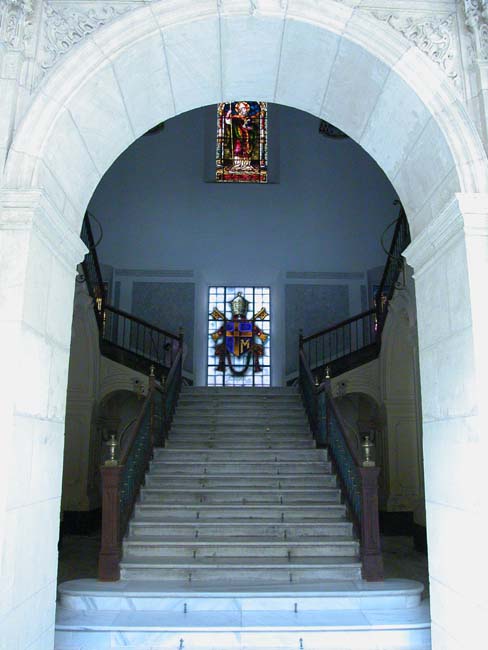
(241, 142)
(239, 336)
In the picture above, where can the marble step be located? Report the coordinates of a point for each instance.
(202, 548)
(301, 429)
(88, 595)
(237, 570)
(209, 468)
(240, 420)
(303, 513)
(241, 442)
(235, 402)
(346, 614)
(240, 454)
(236, 528)
(292, 439)
(282, 496)
(247, 407)
(237, 481)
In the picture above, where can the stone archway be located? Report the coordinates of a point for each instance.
(335, 62)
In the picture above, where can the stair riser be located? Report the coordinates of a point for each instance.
(229, 443)
(273, 532)
(238, 412)
(139, 552)
(245, 455)
(241, 577)
(227, 499)
(232, 433)
(244, 482)
(311, 514)
(241, 416)
(291, 425)
(209, 469)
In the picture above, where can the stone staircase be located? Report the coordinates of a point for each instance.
(240, 496)
(240, 542)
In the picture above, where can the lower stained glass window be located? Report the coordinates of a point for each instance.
(238, 336)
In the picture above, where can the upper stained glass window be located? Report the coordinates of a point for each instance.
(242, 155)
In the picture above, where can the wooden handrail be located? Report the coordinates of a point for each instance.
(141, 321)
(342, 424)
(174, 367)
(337, 326)
(92, 250)
(307, 367)
(135, 431)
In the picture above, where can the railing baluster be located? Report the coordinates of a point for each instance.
(121, 479)
(359, 484)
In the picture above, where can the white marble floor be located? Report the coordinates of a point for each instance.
(342, 617)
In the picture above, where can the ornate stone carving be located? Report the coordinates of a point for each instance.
(433, 35)
(66, 25)
(16, 22)
(476, 18)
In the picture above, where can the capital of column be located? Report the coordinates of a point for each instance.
(465, 216)
(31, 210)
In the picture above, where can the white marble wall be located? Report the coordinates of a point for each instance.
(38, 255)
(336, 60)
(450, 261)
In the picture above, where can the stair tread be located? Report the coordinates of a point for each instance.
(155, 540)
(331, 521)
(247, 562)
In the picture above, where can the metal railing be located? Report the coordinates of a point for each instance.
(123, 336)
(393, 267)
(340, 340)
(123, 477)
(359, 483)
(136, 335)
(358, 339)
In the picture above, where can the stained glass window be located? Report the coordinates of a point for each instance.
(238, 336)
(242, 154)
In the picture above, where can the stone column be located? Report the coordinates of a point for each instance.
(39, 256)
(450, 260)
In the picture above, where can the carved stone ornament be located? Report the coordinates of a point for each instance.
(433, 35)
(476, 18)
(15, 22)
(68, 24)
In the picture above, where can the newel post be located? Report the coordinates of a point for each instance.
(370, 526)
(109, 558)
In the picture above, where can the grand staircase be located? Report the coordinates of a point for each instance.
(240, 496)
(240, 541)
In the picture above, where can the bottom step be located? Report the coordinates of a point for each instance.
(349, 615)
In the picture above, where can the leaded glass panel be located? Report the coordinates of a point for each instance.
(242, 153)
(238, 336)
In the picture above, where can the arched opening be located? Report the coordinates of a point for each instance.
(402, 112)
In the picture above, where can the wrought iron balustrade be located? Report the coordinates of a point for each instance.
(393, 267)
(138, 337)
(122, 478)
(359, 483)
(125, 338)
(353, 336)
(357, 340)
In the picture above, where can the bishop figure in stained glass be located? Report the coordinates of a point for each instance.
(241, 142)
(239, 335)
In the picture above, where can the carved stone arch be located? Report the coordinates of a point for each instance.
(96, 102)
(338, 63)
